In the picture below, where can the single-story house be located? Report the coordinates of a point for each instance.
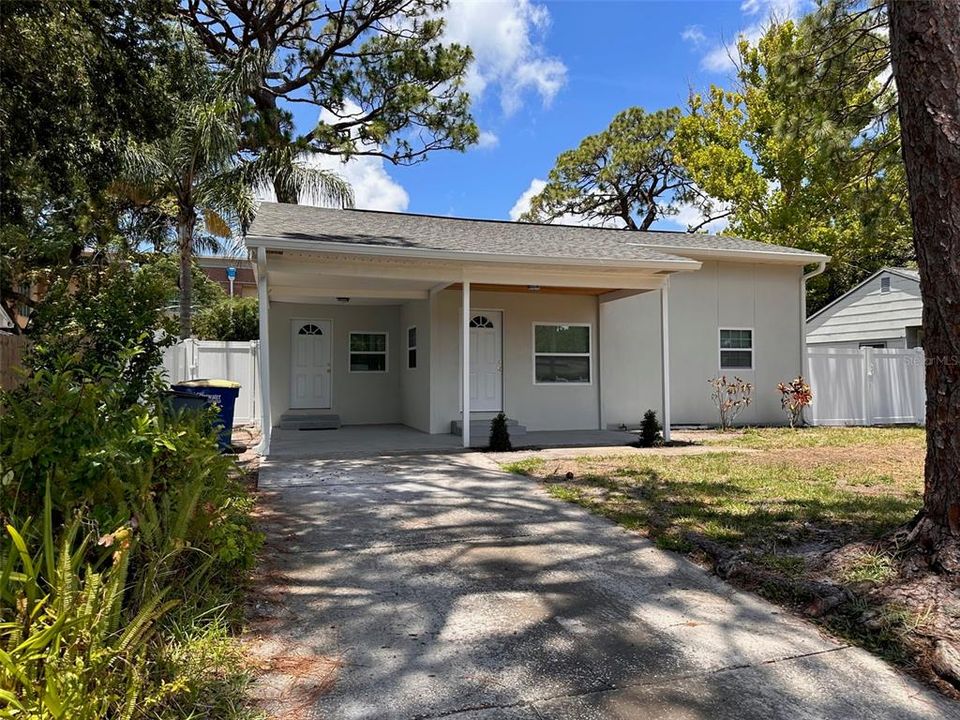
(384, 318)
(884, 311)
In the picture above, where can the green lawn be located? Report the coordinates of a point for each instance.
(791, 487)
(802, 505)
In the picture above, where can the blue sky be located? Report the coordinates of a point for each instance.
(546, 75)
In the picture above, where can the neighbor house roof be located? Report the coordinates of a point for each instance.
(408, 234)
(906, 273)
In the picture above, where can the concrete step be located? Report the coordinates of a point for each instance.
(309, 421)
(480, 428)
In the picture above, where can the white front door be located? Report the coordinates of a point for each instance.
(486, 361)
(310, 364)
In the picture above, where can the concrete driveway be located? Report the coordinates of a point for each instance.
(432, 587)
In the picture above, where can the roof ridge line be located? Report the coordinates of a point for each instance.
(501, 221)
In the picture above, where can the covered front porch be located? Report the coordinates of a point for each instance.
(410, 346)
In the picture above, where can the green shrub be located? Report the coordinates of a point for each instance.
(110, 601)
(77, 644)
(499, 434)
(650, 429)
(105, 322)
(70, 649)
(229, 320)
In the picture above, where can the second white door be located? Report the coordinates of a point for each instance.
(310, 364)
(486, 361)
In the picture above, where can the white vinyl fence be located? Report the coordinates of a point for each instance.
(869, 386)
(238, 361)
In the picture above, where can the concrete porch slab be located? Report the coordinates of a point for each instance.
(374, 440)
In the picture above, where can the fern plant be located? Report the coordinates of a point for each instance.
(66, 649)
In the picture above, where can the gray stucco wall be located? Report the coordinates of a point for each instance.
(415, 382)
(358, 398)
(733, 295)
(539, 407)
(765, 298)
(630, 357)
(625, 335)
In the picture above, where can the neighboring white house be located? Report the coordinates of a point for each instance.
(884, 311)
(374, 317)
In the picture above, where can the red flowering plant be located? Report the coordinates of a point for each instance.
(794, 397)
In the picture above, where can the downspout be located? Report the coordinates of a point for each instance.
(804, 369)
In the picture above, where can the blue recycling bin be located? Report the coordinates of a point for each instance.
(223, 394)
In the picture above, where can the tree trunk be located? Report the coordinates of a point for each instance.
(185, 227)
(925, 47)
(271, 124)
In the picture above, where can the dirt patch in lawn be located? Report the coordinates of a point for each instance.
(806, 520)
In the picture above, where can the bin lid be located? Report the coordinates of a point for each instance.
(210, 382)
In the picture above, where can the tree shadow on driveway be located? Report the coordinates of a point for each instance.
(426, 587)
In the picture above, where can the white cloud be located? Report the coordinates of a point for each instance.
(507, 41)
(694, 35)
(487, 140)
(535, 188)
(721, 58)
(523, 202)
(690, 216)
(373, 188)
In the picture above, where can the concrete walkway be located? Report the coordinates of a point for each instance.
(430, 587)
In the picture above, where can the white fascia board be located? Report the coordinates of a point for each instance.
(758, 256)
(310, 246)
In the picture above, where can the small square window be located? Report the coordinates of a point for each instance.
(368, 352)
(736, 349)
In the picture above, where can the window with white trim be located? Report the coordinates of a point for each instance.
(736, 349)
(368, 352)
(561, 354)
(412, 347)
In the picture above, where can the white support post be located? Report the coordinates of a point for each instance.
(465, 362)
(665, 354)
(264, 316)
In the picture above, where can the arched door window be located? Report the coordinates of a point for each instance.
(309, 329)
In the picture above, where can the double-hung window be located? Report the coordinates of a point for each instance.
(368, 352)
(736, 349)
(562, 354)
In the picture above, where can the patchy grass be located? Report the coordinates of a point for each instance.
(817, 437)
(806, 505)
(530, 466)
(739, 500)
(871, 567)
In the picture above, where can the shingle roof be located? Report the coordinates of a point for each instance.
(497, 237)
(701, 241)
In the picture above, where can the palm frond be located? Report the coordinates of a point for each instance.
(216, 224)
(285, 169)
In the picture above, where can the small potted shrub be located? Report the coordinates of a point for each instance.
(650, 430)
(499, 434)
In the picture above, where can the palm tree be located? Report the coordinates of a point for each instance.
(198, 174)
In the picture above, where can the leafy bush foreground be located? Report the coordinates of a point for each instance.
(127, 536)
